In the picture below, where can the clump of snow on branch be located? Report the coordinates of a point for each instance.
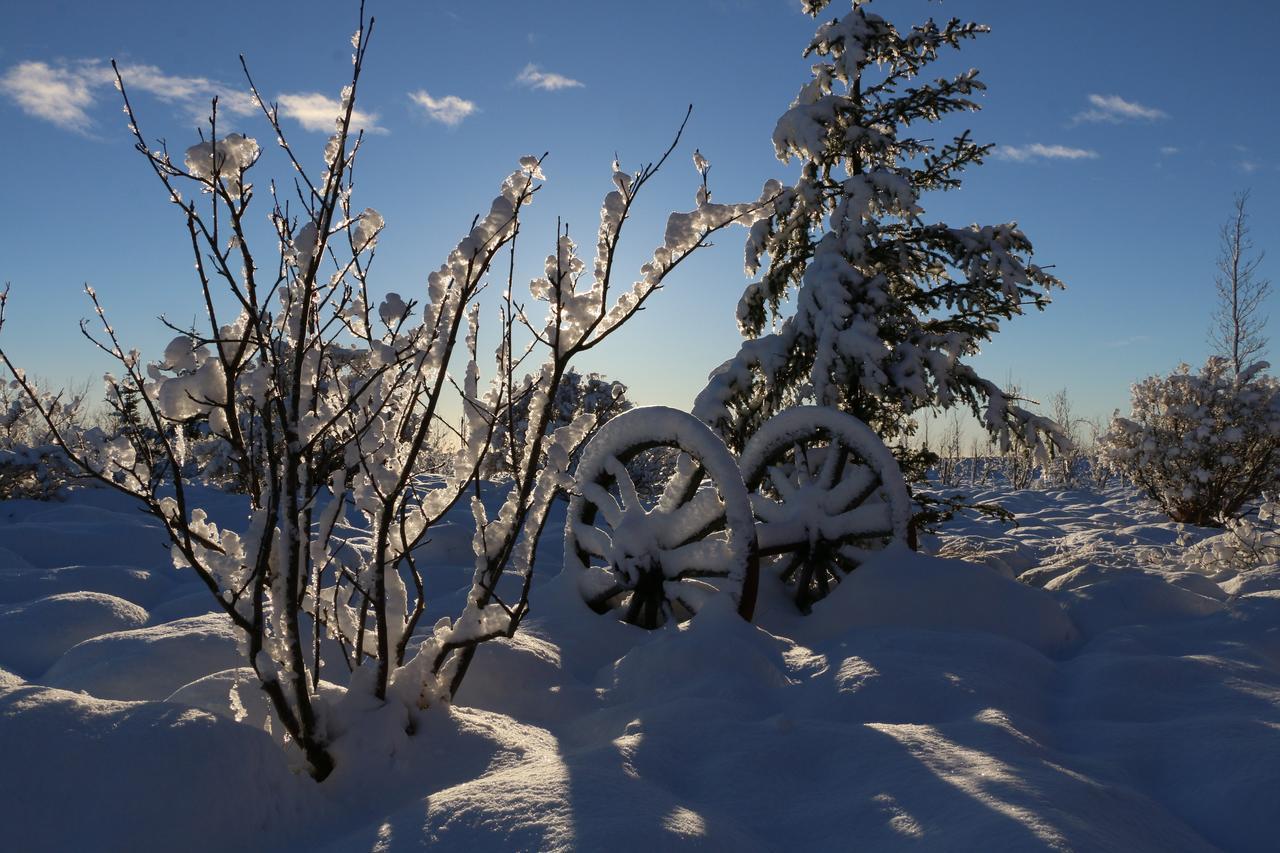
(223, 161)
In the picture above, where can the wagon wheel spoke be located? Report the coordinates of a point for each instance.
(592, 540)
(604, 586)
(867, 491)
(782, 481)
(691, 594)
(837, 457)
(862, 521)
(630, 497)
(803, 471)
(697, 559)
(635, 607)
(814, 583)
(765, 507)
(683, 485)
(845, 560)
(697, 518)
(600, 498)
(784, 565)
(804, 582)
(858, 483)
(822, 574)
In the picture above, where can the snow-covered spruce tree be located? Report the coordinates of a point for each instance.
(330, 400)
(1201, 445)
(886, 305)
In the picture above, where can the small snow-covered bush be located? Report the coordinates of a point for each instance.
(586, 394)
(1246, 544)
(578, 394)
(32, 465)
(1201, 445)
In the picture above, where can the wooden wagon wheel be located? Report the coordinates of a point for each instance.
(827, 492)
(656, 559)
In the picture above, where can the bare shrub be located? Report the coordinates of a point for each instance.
(330, 403)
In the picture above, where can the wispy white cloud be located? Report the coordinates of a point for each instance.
(1038, 151)
(450, 109)
(535, 78)
(318, 112)
(1115, 109)
(64, 93)
(1169, 150)
(1247, 161)
(195, 93)
(59, 95)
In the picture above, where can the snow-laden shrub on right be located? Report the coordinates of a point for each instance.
(1247, 543)
(1201, 445)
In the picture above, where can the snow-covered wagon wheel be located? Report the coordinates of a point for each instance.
(827, 493)
(660, 557)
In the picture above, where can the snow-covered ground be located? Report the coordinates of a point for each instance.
(1064, 684)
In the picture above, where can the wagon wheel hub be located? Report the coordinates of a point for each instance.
(647, 596)
(805, 509)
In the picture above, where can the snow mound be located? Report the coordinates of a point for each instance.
(1220, 778)
(10, 560)
(1261, 579)
(148, 663)
(526, 791)
(718, 654)
(900, 588)
(1129, 597)
(236, 694)
(183, 605)
(524, 677)
(34, 634)
(86, 774)
(1006, 557)
(905, 675)
(927, 703)
(9, 680)
(120, 539)
(143, 587)
(212, 693)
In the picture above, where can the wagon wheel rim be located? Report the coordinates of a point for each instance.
(654, 561)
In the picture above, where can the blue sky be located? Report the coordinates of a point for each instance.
(1125, 129)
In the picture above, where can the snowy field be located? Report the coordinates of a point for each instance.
(1104, 699)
